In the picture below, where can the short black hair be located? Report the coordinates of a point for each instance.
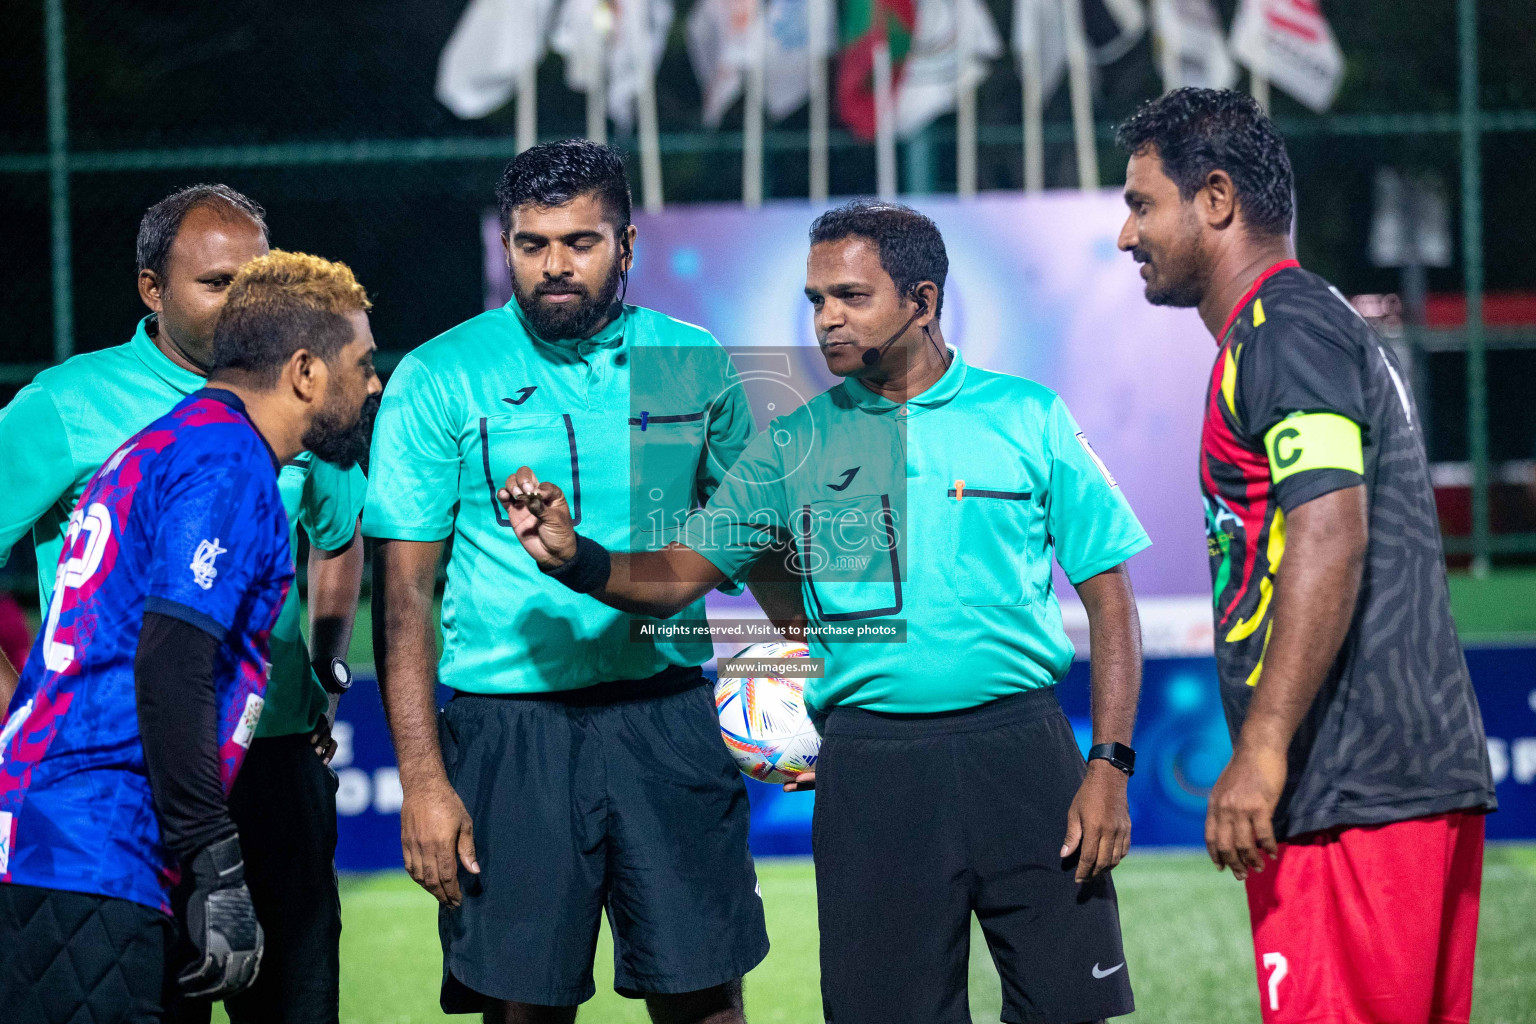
(157, 231)
(1197, 131)
(557, 172)
(910, 246)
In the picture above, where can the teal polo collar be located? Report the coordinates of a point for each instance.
(938, 393)
(160, 364)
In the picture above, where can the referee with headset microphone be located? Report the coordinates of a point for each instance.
(923, 498)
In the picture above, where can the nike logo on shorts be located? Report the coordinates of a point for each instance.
(1104, 974)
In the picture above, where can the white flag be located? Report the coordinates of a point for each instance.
(1113, 27)
(1193, 27)
(788, 78)
(491, 46)
(928, 84)
(720, 49)
(1291, 41)
(720, 42)
(627, 35)
(1037, 29)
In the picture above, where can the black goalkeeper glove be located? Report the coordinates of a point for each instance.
(221, 924)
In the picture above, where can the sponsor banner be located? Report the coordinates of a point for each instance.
(1181, 744)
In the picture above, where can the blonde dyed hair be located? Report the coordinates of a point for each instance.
(280, 303)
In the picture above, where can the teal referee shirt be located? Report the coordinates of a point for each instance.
(944, 512)
(636, 424)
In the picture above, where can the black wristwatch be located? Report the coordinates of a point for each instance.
(335, 677)
(1117, 754)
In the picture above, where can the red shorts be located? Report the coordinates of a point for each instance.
(1371, 924)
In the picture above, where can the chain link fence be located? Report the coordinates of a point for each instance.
(326, 115)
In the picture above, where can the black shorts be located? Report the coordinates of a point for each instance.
(284, 803)
(921, 820)
(72, 956)
(621, 798)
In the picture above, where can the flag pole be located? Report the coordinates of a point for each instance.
(965, 104)
(1165, 17)
(645, 113)
(528, 107)
(752, 113)
(820, 112)
(1082, 98)
(1258, 71)
(597, 87)
(1032, 78)
(885, 126)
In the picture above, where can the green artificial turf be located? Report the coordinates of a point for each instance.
(1186, 930)
(1500, 607)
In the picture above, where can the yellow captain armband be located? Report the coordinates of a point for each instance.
(1313, 440)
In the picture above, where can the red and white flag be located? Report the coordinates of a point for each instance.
(1289, 42)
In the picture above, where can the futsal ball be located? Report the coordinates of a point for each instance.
(763, 719)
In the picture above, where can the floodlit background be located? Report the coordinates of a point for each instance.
(373, 130)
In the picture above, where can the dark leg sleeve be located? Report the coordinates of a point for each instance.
(284, 803)
(178, 724)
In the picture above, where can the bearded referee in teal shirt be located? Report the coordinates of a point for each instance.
(925, 493)
(58, 431)
(575, 771)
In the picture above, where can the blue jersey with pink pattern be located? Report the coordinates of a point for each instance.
(184, 520)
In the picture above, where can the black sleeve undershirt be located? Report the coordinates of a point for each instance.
(179, 728)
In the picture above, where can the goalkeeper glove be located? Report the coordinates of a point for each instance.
(221, 924)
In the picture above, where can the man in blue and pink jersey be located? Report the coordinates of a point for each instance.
(141, 695)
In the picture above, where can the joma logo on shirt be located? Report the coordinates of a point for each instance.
(203, 572)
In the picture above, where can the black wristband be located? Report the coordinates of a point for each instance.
(1117, 754)
(587, 570)
(335, 675)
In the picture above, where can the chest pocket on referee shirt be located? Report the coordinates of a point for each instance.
(544, 443)
(850, 551)
(664, 453)
(999, 544)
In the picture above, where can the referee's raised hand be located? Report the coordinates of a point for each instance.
(540, 518)
(436, 831)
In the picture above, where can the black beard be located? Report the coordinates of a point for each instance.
(1182, 294)
(332, 439)
(568, 320)
(1179, 275)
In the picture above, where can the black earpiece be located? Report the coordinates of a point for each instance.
(617, 309)
(874, 355)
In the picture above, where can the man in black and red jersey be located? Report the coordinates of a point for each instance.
(1359, 764)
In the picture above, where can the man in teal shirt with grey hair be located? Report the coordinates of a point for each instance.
(57, 432)
(924, 499)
